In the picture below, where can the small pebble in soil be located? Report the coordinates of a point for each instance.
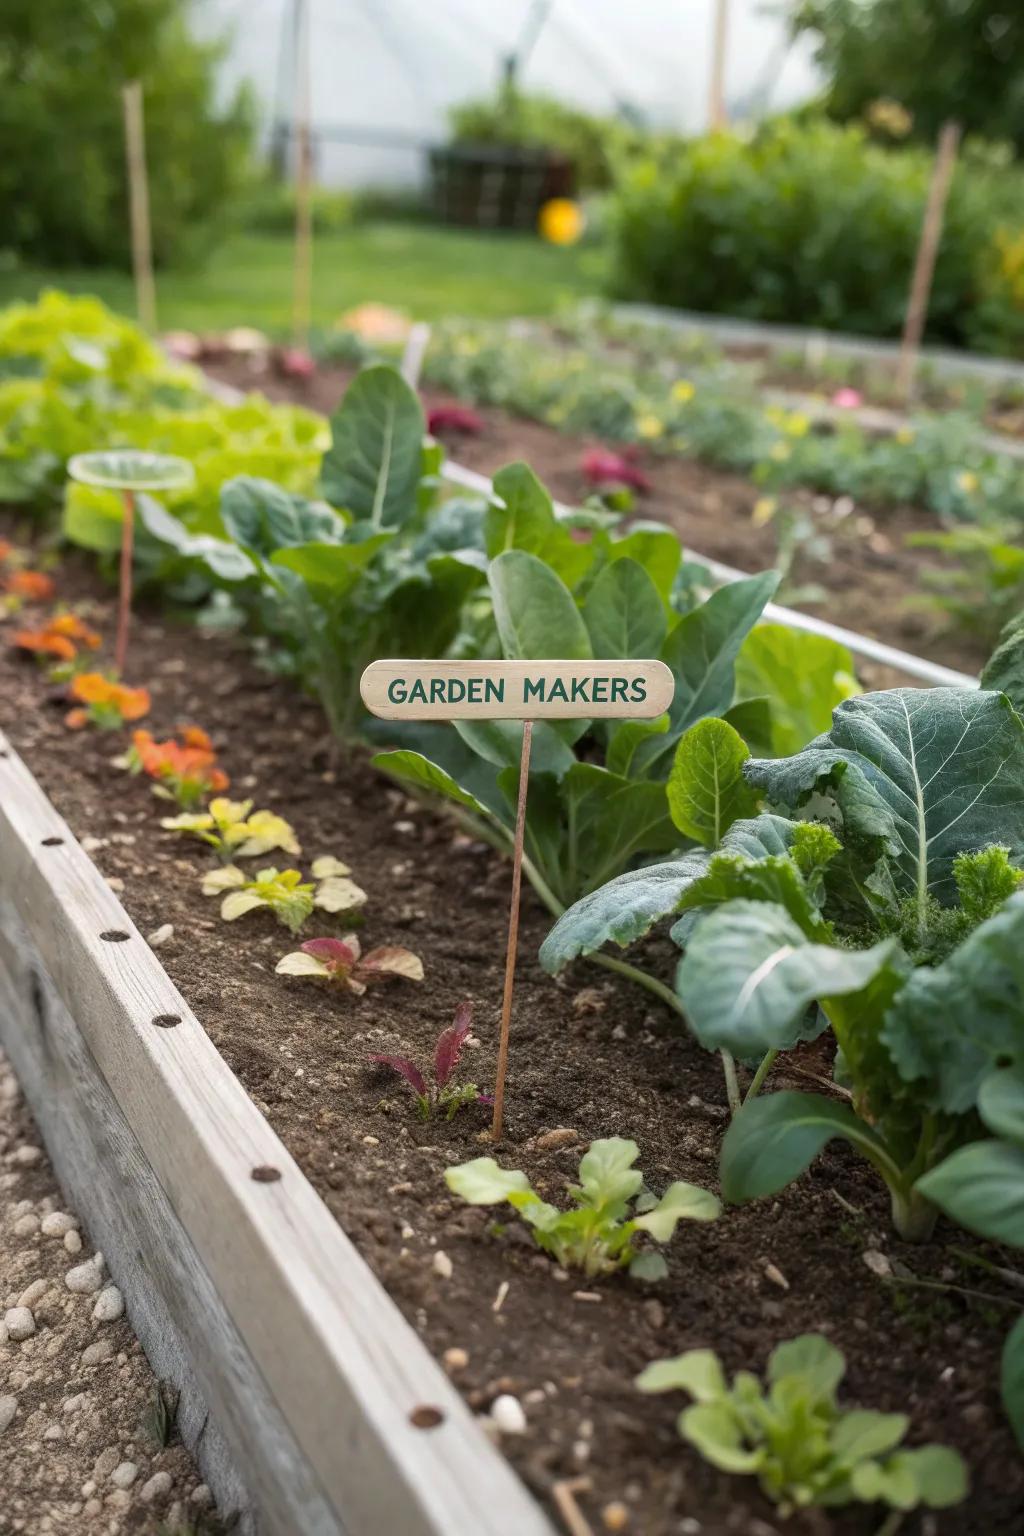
(26, 1156)
(20, 1324)
(57, 1224)
(775, 1275)
(160, 935)
(85, 1278)
(455, 1359)
(124, 1475)
(507, 1415)
(8, 1408)
(156, 1487)
(877, 1262)
(72, 1241)
(562, 1136)
(441, 1264)
(615, 1516)
(109, 1305)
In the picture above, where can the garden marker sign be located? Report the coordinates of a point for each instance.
(516, 690)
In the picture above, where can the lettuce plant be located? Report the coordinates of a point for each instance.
(611, 1208)
(881, 895)
(104, 704)
(442, 1096)
(282, 892)
(804, 1449)
(234, 830)
(982, 1187)
(342, 963)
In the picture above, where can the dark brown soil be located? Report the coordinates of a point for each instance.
(589, 1054)
(872, 582)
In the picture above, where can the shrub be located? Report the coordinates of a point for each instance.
(806, 223)
(62, 176)
(540, 122)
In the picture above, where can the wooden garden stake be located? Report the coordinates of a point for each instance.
(124, 600)
(717, 117)
(138, 204)
(513, 933)
(927, 250)
(516, 690)
(415, 351)
(303, 278)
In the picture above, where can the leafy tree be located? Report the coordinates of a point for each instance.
(960, 60)
(63, 184)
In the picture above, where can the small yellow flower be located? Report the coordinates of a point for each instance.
(683, 391)
(781, 452)
(561, 221)
(764, 511)
(904, 436)
(967, 481)
(649, 426)
(796, 425)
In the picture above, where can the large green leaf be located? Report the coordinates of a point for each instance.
(262, 516)
(624, 613)
(415, 769)
(373, 465)
(329, 570)
(982, 1187)
(501, 742)
(652, 546)
(1012, 1379)
(1004, 670)
(534, 610)
(706, 788)
(629, 906)
(776, 1137)
(702, 651)
(774, 878)
(750, 974)
(527, 521)
(224, 559)
(610, 820)
(803, 676)
(934, 771)
(954, 1023)
(1001, 1104)
(92, 518)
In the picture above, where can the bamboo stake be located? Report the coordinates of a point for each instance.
(927, 250)
(138, 204)
(513, 933)
(124, 601)
(717, 117)
(415, 351)
(302, 287)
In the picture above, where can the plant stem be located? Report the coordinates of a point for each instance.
(891, 1524)
(124, 602)
(956, 1290)
(642, 979)
(732, 1087)
(913, 1216)
(1009, 1276)
(757, 1081)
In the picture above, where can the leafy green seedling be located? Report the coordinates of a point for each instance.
(282, 892)
(235, 831)
(129, 470)
(793, 1436)
(612, 1207)
(442, 1096)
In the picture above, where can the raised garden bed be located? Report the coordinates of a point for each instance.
(591, 1057)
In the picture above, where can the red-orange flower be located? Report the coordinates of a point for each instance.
(108, 704)
(33, 586)
(184, 773)
(58, 637)
(6, 550)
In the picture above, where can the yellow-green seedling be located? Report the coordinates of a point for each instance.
(792, 1435)
(612, 1208)
(282, 892)
(235, 831)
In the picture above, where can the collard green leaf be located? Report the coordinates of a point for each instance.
(776, 1137)
(775, 878)
(624, 739)
(526, 521)
(934, 771)
(1001, 1104)
(501, 742)
(753, 719)
(330, 571)
(654, 547)
(482, 1182)
(415, 769)
(262, 516)
(534, 610)
(952, 1024)
(982, 1187)
(698, 1372)
(225, 560)
(611, 819)
(372, 468)
(750, 974)
(803, 676)
(1004, 670)
(629, 906)
(624, 614)
(706, 788)
(1012, 1379)
(680, 1202)
(702, 651)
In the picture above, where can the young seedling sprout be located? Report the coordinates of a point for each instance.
(341, 963)
(442, 1096)
(235, 831)
(612, 1208)
(129, 470)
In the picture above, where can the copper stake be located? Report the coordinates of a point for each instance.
(513, 932)
(124, 606)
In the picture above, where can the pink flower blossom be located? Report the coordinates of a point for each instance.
(848, 399)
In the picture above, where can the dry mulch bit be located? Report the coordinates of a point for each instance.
(80, 1415)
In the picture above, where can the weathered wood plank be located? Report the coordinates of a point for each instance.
(344, 1368)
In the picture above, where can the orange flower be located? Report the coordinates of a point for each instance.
(33, 586)
(184, 773)
(57, 638)
(70, 626)
(6, 550)
(108, 704)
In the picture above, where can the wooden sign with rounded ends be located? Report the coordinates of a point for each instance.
(517, 690)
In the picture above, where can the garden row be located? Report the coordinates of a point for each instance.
(850, 883)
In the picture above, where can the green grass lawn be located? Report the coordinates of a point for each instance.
(427, 271)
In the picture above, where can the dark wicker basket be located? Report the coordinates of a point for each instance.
(496, 186)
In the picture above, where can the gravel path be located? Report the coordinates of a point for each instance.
(87, 1441)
